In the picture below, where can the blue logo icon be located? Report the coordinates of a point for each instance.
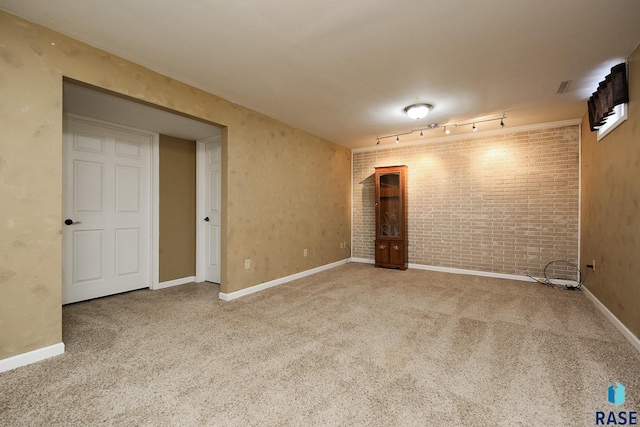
(616, 394)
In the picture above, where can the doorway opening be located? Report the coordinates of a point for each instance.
(176, 217)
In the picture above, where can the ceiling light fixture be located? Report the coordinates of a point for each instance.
(446, 130)
(418, 111)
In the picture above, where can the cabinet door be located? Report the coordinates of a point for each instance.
(382, 252)
(389, 205)
(396, 253)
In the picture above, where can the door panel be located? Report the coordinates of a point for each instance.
(212, 203)
(107, 179)
(127, 251)
(396, 254)
(213, 235)
(87, 255)
(127, 189)
(382, 252)
(127, 149)
(88, 178)
(91, 143)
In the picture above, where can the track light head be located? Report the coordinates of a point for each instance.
(447, 131)
(474, 128)
(397, 139)
(502, 122)
(421, 134)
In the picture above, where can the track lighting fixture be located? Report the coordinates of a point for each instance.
(446, 127)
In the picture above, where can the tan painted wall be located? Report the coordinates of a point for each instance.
(283, 189)
(610, 224)
(177, 208)
(504, 203)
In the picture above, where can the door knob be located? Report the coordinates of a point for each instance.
(207, 219)
(70, 222)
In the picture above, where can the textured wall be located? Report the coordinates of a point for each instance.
(276, 196)
(611, 210)
(504, 204)
(177, 208)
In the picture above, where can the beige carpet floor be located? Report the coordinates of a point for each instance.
(350, 346)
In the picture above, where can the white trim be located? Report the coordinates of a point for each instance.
(110, 125)
(618, 117)
(31, 357)
(616, 322)
(200, 195)
(479, 273)
(472, 272)
(579, 194)
(456, 271)
(276, 282)
(563, 282)
(473, 135)
(362, 260)
(175, 282)
(155, 212)
(351, 187)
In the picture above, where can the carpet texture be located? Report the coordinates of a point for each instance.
(350, 346)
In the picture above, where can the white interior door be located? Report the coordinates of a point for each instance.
(106, 208)
(211, 215)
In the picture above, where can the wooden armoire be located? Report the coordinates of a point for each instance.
(391, 217)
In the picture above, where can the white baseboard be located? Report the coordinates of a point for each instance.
(455, 270)
(472, 272)
(276, 282)
(31, 357)
(175, 282)
(616, 322)
(362, 260)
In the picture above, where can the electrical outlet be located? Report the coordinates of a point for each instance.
(593, 263)
(306, 252)
(247, 263)
(341, 245)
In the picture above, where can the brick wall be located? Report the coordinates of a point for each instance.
(504, 203)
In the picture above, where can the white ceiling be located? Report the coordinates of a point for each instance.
(345, 70)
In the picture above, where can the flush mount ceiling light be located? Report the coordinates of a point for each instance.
(418, 111)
